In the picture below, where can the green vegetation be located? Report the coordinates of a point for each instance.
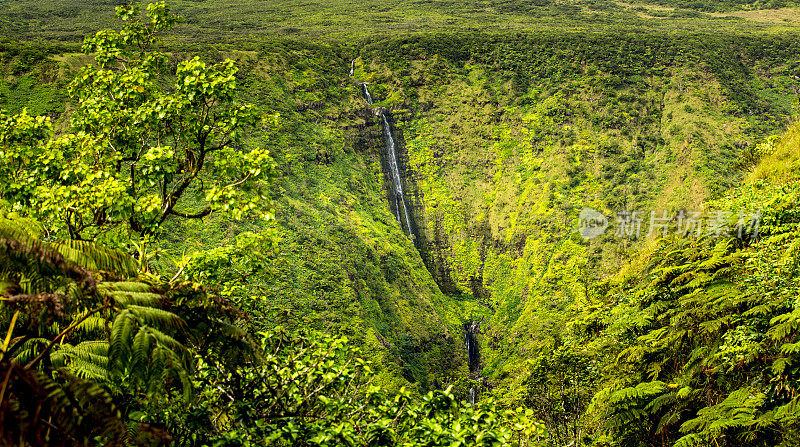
(702, 350)
(197, 244)
(239, 23)
(135, 151)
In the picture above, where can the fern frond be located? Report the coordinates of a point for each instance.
(784, 325)
(168, 342)
(29, 349)
(657, 404)
(89, 371)
(790, 348)
(19, 229)
(155, 317)
(714, 326)
(95, 257)
(143, 345)
(70, 411)
(87, 360)
(172, 365)
(230, 330)
(737, 411)
(789, 412)
(644, 390)
(122, 333)
(100, 411)
(93, 324)
(124, 286)
(691, 440)
(126, 299)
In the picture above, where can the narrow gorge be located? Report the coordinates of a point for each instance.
(408, 225)
(335, 223)
(471, 329)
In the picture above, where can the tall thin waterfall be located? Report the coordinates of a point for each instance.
(473, 356)
(352, 67)
(391, 158)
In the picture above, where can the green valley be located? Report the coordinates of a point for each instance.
(359, 223)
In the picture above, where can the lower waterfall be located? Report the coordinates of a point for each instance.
(473, 356)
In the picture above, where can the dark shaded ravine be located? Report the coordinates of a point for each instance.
(473, 356)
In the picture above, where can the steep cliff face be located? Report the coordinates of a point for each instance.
(429, 238)
(383, 295)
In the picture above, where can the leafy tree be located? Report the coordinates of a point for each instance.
(312, 389)
(145, 142)
(559, 386)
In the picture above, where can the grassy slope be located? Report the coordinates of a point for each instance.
(242, 20)
(781, 163)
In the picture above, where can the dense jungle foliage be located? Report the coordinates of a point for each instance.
(201, 241)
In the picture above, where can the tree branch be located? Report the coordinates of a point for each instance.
(203, 213)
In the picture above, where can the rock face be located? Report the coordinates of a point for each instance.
(403, 195)
(431, 249)
(401, 210)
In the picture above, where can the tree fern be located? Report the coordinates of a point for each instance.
(76, 334)
(737, 412)
(65, 412)
(718, 319)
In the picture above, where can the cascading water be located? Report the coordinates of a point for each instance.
(391, 155)
(367, 96)
(352, 67)
(473, 356)
(391, 158)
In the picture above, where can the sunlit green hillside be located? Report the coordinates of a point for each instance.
(236, 20)
(510, 118)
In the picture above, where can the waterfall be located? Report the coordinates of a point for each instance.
(473, 356)
(352, 67)
(367, 96)
(391, 159)
(391, 156)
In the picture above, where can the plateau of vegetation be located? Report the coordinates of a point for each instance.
(201, 240)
